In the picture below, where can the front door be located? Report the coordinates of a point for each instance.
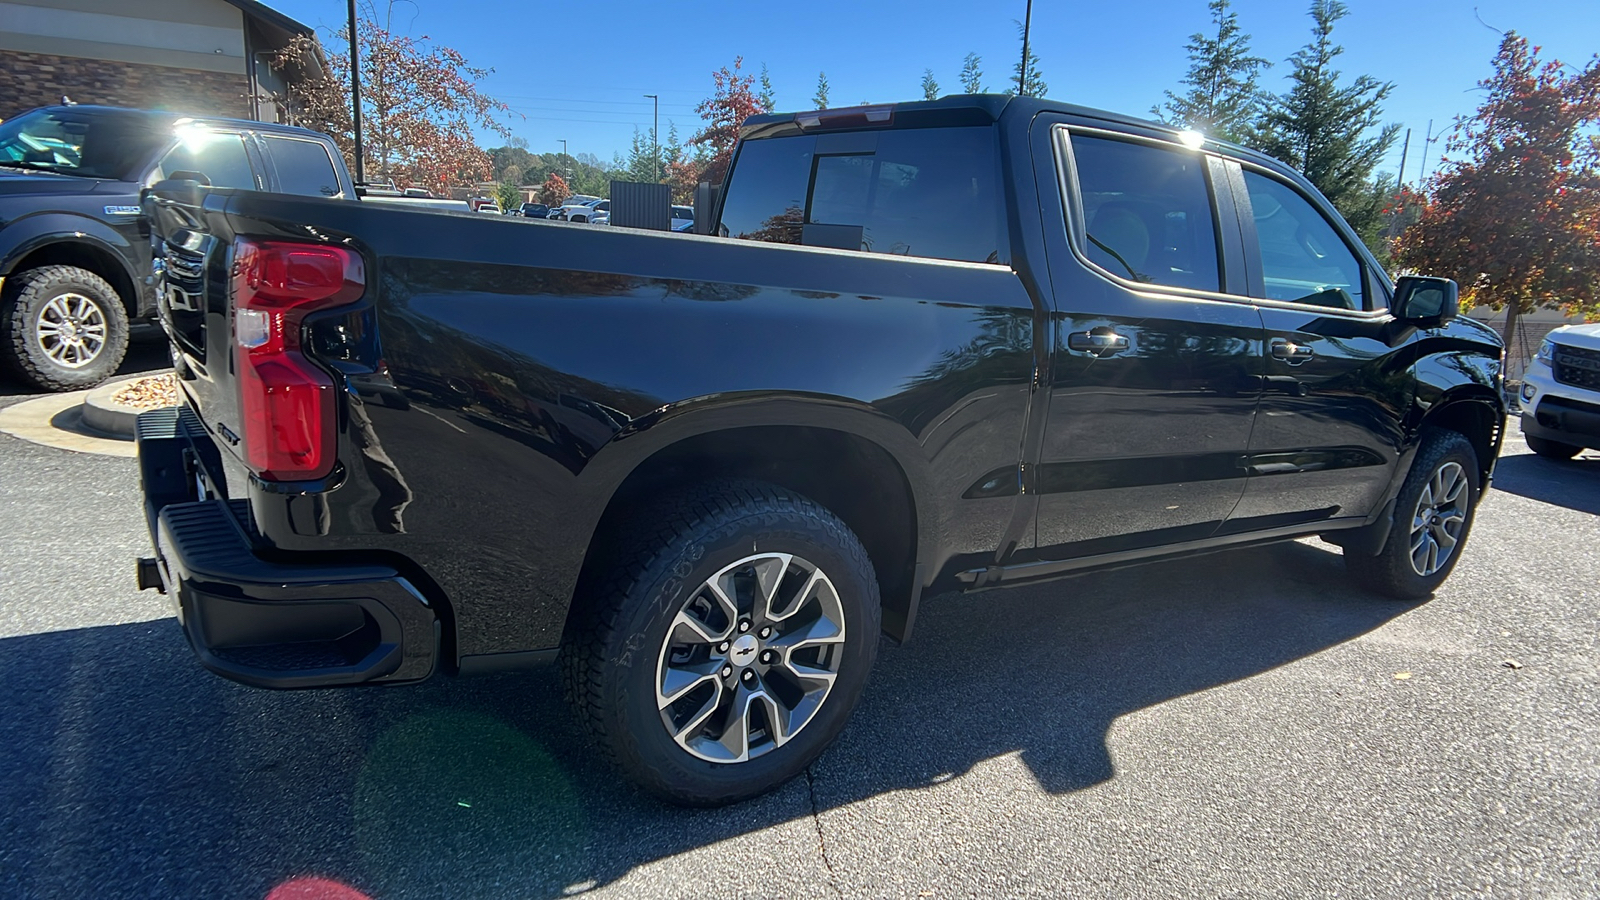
(1156, 364)
(1337, 381)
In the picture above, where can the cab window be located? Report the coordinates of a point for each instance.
(1147, 213)
(218, 156)
(930, 192)
(304, 167)
(1303, 258)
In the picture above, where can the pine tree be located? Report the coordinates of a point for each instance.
(769, 101)
(971, 75)
(821, 99)
(930, 88)
(1223, 98)
(1322, 127)
(1028, 84)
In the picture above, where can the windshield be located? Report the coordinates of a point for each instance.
(89, 145)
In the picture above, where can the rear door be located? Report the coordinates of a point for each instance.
(1156, 358)
(1338, 379)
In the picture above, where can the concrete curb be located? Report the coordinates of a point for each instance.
(56, 420)
(102, 415)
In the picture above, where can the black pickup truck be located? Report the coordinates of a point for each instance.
(935, 346)
(74, 252)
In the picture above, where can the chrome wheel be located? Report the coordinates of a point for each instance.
(71, 330)
(1440, 516)
(750, 657)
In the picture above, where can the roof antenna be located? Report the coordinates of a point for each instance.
(67, 101)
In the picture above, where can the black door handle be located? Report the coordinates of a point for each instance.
(1098, 343)
(1290, 352)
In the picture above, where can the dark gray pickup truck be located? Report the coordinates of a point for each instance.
(930, 347)
(74, 252)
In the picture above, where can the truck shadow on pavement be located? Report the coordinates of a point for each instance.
(1573, 484)
(133, 773)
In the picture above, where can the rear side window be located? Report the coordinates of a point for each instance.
(1303, 259)
(304, 167)
(1147, 213)
(919, 192)
(219, 157)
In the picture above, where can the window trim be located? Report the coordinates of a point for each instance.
(1072, 194)
(1372, 274)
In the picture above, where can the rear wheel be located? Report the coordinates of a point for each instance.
(726, 648)
(1551, 449)
(62, 328)
(1433, 516)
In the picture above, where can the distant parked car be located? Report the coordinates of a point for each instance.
(492, 209)
(535, 211)
(601, 214)
(682, 218)
(1561, 393)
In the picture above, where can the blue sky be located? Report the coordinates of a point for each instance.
(578, 70)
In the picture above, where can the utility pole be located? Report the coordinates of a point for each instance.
(563, 146)
(655, 135)
(1422, 170)
(355, 93)
(1022, 77)
(1399, 188)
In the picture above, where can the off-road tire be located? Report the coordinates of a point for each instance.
(25, 295)
(1551, 449)
(1390, 572)
(610, 655)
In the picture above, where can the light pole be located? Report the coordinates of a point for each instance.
(655, 136)
(355, 92)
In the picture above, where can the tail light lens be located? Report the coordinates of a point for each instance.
(286, 403)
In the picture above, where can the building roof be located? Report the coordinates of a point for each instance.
(269, 16)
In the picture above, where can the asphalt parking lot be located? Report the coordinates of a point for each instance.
(1245, 724)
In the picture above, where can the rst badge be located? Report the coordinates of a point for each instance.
(122, 210)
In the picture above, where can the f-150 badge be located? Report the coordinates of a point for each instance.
(122, 210)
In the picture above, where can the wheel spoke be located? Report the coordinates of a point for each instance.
(820, 631)
(677, 682)
(698, 720)
(1455, 487)
(58, 308)
(700, 631)
(769, 578)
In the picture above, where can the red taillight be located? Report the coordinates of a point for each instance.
(286, 403)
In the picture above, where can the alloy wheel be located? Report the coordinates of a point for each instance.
(1439, 520)
(750, 657)
(71, 330)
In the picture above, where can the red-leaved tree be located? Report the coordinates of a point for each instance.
(420, 104)
(554, 191)
(1515, 219)
(732, 101)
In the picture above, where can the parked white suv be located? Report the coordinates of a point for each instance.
(1561, 393)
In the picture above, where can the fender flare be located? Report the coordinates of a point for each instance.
(23, 236)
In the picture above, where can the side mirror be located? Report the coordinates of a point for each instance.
(184, 187)
(1426, 302)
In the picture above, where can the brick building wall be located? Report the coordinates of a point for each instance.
(39, 79)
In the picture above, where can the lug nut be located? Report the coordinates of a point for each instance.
(749, 677)
(766, 632)
(768, 657)
(722, 647)
(744, 625)
(726, 671)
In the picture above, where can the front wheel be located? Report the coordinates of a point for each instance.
(1432, 517)
(62, 328)
(726, 649)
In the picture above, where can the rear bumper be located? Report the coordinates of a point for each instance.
(276, 624)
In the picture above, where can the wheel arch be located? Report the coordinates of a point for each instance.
(848, 463)
(1477, 413)
(82, 250)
